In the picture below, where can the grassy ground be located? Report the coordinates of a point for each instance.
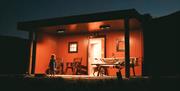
(11, 83)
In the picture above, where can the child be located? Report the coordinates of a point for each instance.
(52, 65)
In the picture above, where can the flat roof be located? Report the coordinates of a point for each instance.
(111, 15)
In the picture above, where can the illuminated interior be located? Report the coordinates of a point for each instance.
(49, 42)
(96, 50)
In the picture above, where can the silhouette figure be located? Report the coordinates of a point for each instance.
(52, 65)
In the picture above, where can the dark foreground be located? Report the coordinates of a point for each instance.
(13, 83)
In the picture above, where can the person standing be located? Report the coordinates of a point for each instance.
(52, 65)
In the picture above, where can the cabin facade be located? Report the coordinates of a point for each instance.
(92, 37)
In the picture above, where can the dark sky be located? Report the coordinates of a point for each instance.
(12, 11)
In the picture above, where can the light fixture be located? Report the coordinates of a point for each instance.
(60, 30)
(104, 26)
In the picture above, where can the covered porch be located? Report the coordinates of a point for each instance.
(90, 38)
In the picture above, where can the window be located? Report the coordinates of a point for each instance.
(72, 47)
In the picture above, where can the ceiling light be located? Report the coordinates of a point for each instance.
(60, 31)
(104, 26)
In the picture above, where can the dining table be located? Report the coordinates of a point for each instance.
(103, 63)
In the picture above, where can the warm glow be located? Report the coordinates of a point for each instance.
(90, 26)
(72, 27)
(95, 51)
(94, 26)
(49, 43)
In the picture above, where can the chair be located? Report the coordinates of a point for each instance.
(77, 65)
(60, 66)
(69, 65)
(82, 70)
(79, 69)
(74, 66)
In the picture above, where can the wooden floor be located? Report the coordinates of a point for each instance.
(84, 77)
(76, 77)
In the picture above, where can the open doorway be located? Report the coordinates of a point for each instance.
(96, 49)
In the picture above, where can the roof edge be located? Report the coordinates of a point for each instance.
(109, 15)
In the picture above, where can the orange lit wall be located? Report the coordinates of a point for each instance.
(135, 49)
(63, 49)
(46, 45)
(136, 46)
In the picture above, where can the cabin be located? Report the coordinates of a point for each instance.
(98, 44)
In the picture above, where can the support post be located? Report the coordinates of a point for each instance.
(127, 48)
(32, 51)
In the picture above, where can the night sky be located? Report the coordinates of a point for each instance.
(13, 11)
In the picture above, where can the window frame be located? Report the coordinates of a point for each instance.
(70, 44)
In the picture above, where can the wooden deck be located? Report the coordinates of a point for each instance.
(83, 77)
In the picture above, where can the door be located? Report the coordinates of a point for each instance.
(96, 50)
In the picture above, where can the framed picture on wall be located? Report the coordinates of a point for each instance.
(73, 47)
(120, 46)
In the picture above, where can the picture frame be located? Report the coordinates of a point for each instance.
(120, 46)
(73, 47)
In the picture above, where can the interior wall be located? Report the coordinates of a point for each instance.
(136, 49)
(62, 47)
(111, 39)
(46, 46)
